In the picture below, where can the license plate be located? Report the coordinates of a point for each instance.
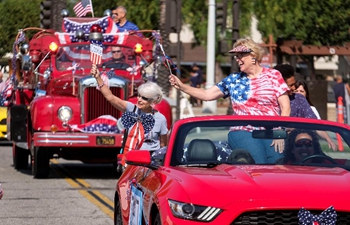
(105, 140)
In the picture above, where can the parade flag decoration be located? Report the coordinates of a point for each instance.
(327, 217)
(96, 52)
(102, 124)
(82, 8)
(133, 72)
(138, 126)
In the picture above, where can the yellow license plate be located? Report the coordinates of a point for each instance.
(105, 140)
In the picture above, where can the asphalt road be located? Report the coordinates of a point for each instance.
(75, 193)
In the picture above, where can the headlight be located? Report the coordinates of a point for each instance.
(65, 113)
(193, 212)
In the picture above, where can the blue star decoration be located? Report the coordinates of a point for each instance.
(110, 74)
(327, 217)
(130, 118)
(239, 87)
(72, 27)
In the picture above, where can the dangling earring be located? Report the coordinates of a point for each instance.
(254, 60)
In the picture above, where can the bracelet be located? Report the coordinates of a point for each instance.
(100, 86)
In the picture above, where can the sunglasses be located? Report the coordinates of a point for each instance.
(117, 51)
(144, 98)
(303, 142)
(115, 14)
(240, 55)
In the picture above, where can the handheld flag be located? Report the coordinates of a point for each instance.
(96, 52)
(82, 8)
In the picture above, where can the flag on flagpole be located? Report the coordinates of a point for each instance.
(83, 7)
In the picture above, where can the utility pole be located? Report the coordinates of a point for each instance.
(178, 57)
(235, 37)
(210, 106)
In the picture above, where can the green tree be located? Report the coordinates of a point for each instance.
(15, 15)
(314, 22)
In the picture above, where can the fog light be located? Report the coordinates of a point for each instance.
(53, 128)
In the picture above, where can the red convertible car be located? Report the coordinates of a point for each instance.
(223, 170)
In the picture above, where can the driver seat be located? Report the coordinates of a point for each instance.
(201, 150)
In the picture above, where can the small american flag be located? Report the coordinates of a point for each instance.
(96, 52)
(82, 8)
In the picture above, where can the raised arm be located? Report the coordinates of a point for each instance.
(210, 94)
(106, 92)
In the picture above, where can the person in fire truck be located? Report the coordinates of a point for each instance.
(114, 14)
(118, 59)
(149, 94)
(124, 24)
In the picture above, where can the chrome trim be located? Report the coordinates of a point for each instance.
(61, 136)
(89, 81)
(209, 213)
(63, 141)
(22, 145)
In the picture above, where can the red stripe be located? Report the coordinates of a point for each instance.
(134, 140)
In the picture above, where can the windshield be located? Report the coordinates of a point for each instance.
(249, 142)
(76, 57)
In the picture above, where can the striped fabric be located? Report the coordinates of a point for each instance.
(82, 8)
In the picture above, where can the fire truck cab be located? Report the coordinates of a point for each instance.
(54, 94)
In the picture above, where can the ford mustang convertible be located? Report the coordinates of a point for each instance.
(231, 170)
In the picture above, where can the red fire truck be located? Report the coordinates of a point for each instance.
(53, 92)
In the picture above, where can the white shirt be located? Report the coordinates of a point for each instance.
(316, 112)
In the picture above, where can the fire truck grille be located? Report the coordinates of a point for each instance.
(96, 105)
(287, 217)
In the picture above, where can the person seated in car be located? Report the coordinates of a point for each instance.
(241, 156)
(301, 144)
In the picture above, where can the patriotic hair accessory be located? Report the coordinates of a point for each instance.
(327, 217)
(241, 48)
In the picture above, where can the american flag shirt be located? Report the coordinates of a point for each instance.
(258, 96)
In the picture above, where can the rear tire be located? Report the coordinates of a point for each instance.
(41, 164)
(20, 157)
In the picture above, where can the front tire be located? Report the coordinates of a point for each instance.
(118, 214)
(41, 164)
(157, 220)
(20, 157)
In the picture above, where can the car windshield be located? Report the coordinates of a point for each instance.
(77, 57)
(215, 142)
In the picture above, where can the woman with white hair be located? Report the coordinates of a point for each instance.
(149, 94)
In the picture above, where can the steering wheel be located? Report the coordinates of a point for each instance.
(317, 156)
(116, 65)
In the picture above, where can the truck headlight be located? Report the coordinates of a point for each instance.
(65, 113)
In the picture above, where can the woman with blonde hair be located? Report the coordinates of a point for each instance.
(254, 90)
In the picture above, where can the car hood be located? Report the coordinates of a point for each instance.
(271, 184)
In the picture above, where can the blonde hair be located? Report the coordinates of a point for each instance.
(258, 51)
(151, 90)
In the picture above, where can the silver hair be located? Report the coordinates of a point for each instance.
(151, 90)
(122, 8)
